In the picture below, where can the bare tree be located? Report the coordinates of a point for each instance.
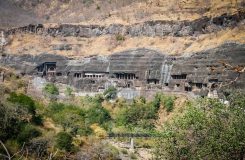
(8, 156)
(52, 155)
(6, 150)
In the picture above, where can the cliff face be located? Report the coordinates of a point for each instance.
(141, 46)
(170, 37)
(159, 28)
(78, 28)
(141, 70)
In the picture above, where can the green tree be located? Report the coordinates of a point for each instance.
(12, 118)
(24, 101)
(207, 129)
(139, 114)
(97, 114)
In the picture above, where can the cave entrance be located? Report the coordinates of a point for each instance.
(188, 89)
(125, 76)
(213, 80)
(95, 74)
(181, 76)
(78, 75)
(152, 81)
(199, 85)
(47, 68)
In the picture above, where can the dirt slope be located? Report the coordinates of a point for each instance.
(114, 11)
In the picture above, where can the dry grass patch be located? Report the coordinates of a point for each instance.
(108, 44)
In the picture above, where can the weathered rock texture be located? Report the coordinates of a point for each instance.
(139, 70)
(152, 28)
(19, 12)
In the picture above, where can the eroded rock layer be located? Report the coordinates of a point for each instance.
(150, 28)
(140, 70)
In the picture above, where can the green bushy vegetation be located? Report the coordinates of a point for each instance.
(84, 119)
(69, 91)
(140, 114)
(12, 118)
(110, 93)
(97, 114)
(207, 129)
(169, 103)
(51, 89)
(24, 101)
(19, 112)
(77, 120)
(69, 117)
(19, 121)
(27, 102)
(64, 141)
(26, 133)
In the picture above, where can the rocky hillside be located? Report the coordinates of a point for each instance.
(123, 12)
(12, 15)
(78, 28)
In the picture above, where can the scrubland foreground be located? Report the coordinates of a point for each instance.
(175, 127)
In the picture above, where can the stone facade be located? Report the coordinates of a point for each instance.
(136, 72)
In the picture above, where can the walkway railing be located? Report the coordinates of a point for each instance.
(133, 135)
